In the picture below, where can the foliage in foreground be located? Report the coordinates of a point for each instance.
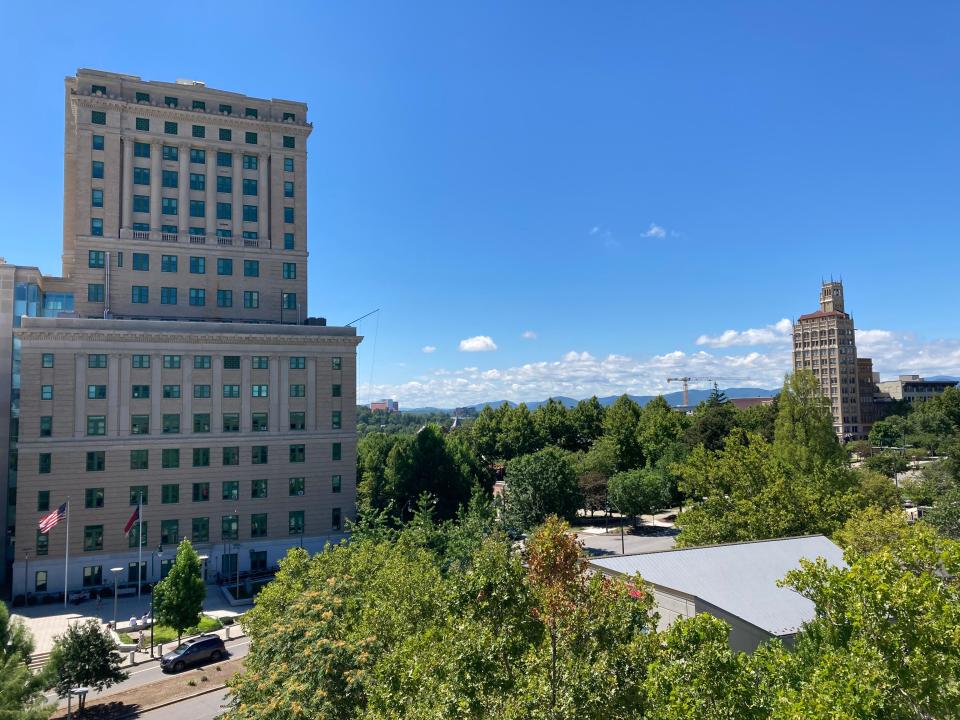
(21, 692)
(179, 596)
(84, 656)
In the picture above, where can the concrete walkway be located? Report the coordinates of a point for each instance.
(47, 621)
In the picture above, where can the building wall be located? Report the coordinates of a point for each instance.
(73, 342)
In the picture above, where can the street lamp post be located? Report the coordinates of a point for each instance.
(153, 591)
(116, 572)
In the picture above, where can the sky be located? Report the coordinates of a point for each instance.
(559, 198)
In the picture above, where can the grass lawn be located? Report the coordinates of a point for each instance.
(164, 634)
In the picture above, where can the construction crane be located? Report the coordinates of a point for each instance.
(686, 380)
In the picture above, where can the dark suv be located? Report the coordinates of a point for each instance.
(196, 650)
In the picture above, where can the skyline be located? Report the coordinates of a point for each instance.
(553, 197)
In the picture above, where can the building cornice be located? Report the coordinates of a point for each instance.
(84, 338)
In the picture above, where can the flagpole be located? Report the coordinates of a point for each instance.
(140, 544)
(66, 557)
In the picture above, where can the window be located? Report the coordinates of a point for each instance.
(140, 294)
(201, 362)
(259, 390)
(198, 296)
(96, 198)
(231, 490)
(169, 179)
(298, 390)
(171, 362)
(259, 422)
(224, 298)
(168, 263)
(168, 206)
(46, 360)
(251, 299)
(170, 128)
(288, 215)
(250, 163)
(140, 361)
(169, 532)
(250, 112)
(226, 134)
(199, 131)
(335, 518)
(170, 458)
(201, 492)
(139, 459)
(201, 457)
(335, 419)
(288, 241)
(141, 261)
(96, 461)
(231, 391)
(288, 164)
(221, 232)
(46, 392)
(224, 266)
(170, 494)
(46, 425)
(198, 231)
(288, 188)
(250, 138)
(134, 537)
(224, 210)
(171, 392)
(43, 500)
(258, 525)
(140, 391)
(43, 543)
(335, 390)
(198, 157)
(40, 577)
(260, 362)
(298, 453)
(132, 571)
(96, 227)
(224, 184)
(141, 150)
(289, 141)
(92, 539)
(231, 422)
(96, 258)
(336, 363)
(96, 425)
(258, 455)
(141, 203)
(201, 422)
(170, 101)
(93, 574)
(249, 213)
(297, 486)
(226, 109)
(288, 300)
(201, 391)
(290, 271)
(336, 451)
(297, 421)
(296, 522)
(93, 498)
(171, 423)
(198, 265)
(258, 489)
(98, 117)
(201, 529)
(168, 296)
(230, 527)
(95, 292)
(231, 456)
(96, 392)
(258, 558)
(97, 143)
(96, 169)
(249, 184)
(170, 152)
(198, 208)
(336, 483)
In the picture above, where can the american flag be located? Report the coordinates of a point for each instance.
(49, 522)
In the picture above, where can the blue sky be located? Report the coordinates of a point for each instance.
(617, 180)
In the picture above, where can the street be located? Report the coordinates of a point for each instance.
(202, 707)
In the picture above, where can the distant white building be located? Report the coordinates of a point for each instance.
(736, 583)
(913, 388)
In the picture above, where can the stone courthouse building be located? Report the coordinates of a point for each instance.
(175, 361)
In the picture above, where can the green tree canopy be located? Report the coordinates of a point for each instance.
(804, 436)
(620, 423)
(21, 692)
(519, 434)
(538, 485)
(640, 492)
(84, 656)
(554, 425)
(587, 420)
(178, 598)
(711, 421)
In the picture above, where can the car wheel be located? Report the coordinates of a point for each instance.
(178, 666)
(215, 656)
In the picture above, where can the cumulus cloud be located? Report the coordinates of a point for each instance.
(776, 334)
(529, 335)
(478, 343)
(429, 349)
(655, 231)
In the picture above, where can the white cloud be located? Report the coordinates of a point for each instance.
(655, 231)
(479, 343)
(529, 335)
(776, 334)
(595, 229)
(429, 349)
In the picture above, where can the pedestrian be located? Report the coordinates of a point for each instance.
(99, 600)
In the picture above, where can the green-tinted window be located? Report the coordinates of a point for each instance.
(96, 258)
(170, 128)
(258, 525)
(170, 457)
(226, 109)
(201, 362)
(139, 294)
(336, 390)
(199, 131)
(171, 423)
(335, 363)
(171, 392)
(198, 156)
(139, 424)
(97, 142)
(96, 227)
(259, 422)
(336, 451)
(336, 483)
(169, 206)
(259, 390)
(134, 537)
(169, 532)
(198, 208)
(288, 242)
(230, 527)
(139, 459)
(168, 296)
(251, 268)
(231, 490)
(290, 271)
(298, 390)
(335, 419)
(298, 453)
(170, 152)
(288, 164)
(249, 213)
(288, 189)
(297, 486)
(335, 518)
(93, 574)
(95, 292)
(96, 169)
(140, 150)
(92, 538)
(46, 392)
(296, 522)
(96, 198)
(298, 421)
(96, 425)
(231, 456)
(98, 117)
(201, 530)
(231, 391)
(198, 264)
(201, 492)
(226, 134)
(170, 493)
(142, 97)
(289, 141)
(170, 101)
(140, 392)
(46, 425)
(43, 543)
(96, 361)
(201, 457)
(288, 215)
(249, 184)
(93, 498)
(231, 422)
(250, 163)
(201, 422)
(250, 138)
(169, 179)
(250, 112)
(171, 362)
(96, 392)
(143, 124)
(43, 500)
(298, 362)
(140, 361)
(224, 210)
(258, 489)
(224, 159)
(258, 454)
(96, 461)
(251, 299)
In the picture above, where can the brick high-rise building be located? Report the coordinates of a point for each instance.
(174, 360)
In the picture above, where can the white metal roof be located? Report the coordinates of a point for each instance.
(739, 578)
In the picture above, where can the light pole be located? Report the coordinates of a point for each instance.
(26, 574)
(116, 572)
(153, 591)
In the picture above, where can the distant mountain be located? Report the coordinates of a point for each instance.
(674, 398)
(944, 378)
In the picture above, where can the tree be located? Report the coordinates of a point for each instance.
(178, 598)
(486, 429)
(21, 692)
(877, 489)
(84, 656)
(639, 492)
(934, 480)
(889, 463)
(890, 431)
(871, 530)
(518, 433)
(587, 420)
(804, 435)
(594, 468)
(553, 425)
(760, 419)
(620, 424)
(660, 431)
(711, 421)
(945, 514)
(538, 485)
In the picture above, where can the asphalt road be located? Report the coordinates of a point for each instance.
(203, 707)
(609, 543)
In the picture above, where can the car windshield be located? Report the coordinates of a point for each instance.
(181, 649)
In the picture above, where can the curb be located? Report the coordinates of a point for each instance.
(139, 711)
